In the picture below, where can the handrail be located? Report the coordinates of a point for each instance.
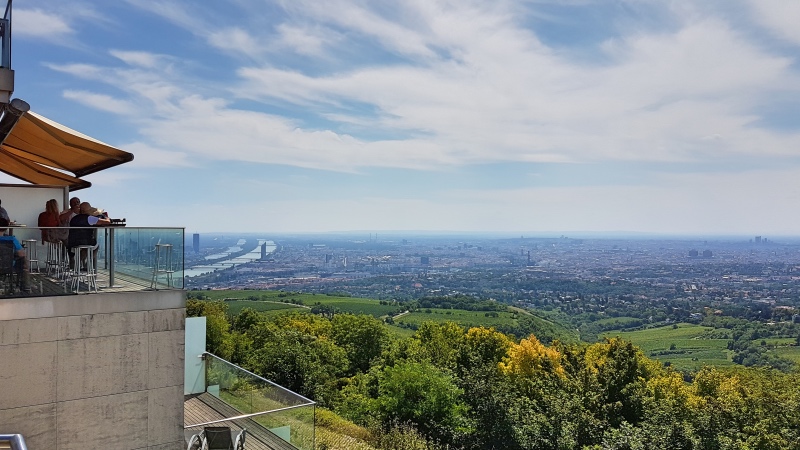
(247, 416)
(16, 440)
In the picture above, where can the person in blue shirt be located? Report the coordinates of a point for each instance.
(20, 259)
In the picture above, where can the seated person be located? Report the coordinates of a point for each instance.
(48, 220)
(20, 261)
(82, 234)
(73, 210)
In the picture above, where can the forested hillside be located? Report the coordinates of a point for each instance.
(477, 388)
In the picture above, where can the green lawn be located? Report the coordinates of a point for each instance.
(236, 306)
(271, 300)
(617, 320)
(353, 305)
(460, 316)
(792, 353)
(691, 351)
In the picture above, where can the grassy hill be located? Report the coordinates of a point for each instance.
(278, 300)
(681, 345)
(515, 321)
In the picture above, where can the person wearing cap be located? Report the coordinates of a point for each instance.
(80, 232)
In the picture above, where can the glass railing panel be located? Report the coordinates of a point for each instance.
(275, 408)
(125, 259)
(152, 254)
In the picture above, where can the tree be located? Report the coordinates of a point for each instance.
(362, 337)
(486, 391)
(246, 319)
(440, 342)
(617, 372)
(420, 394)
(218, 336)
(301, 362)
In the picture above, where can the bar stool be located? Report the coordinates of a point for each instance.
(162, 266)
(55, 258)
(32, 255)
(81, 272)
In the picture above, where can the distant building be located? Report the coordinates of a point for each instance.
(425, 260)
(264, 251)
(707, 254)
(758, 239)
(693, 253)
(196, 242)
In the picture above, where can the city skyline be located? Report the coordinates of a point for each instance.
(268, 116)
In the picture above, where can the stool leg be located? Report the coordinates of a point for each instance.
(91, 274)
(156, 263)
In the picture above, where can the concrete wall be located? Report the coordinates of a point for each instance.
(96, 371)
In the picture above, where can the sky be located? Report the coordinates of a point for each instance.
(527, 116)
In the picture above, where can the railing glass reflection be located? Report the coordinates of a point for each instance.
(125, 259)
(267, 411)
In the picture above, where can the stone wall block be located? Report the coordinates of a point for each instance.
(27, 331)
(27, 374)
(100, 325)
(102, 366)
(37, 424)
(166, 320)
(165, 409)
(117, 421)
(166, 355)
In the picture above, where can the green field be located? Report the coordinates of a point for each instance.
(460, 316)
(621, 321)
(236, 306)
(272, 301)
(691, 351)
(400, 333)
(279, 302)
(353, 305)
(791, 353)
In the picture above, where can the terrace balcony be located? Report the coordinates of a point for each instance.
(128, 259)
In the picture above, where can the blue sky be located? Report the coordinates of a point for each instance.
(670, 117)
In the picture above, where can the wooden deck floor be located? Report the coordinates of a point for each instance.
(44, 285)
(205, 407)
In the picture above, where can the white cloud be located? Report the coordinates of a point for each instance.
(508, 98)
(305, 40)
(173, 11)
(141, 59)
(476, 87)
(237, 40)
(40, 24)
(149, 157)
(117, 179)
(780, 17)
(101, 102)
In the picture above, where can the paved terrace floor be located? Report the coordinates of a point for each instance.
(43, 284)
(202, 408)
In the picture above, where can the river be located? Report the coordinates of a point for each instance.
(253, 255)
